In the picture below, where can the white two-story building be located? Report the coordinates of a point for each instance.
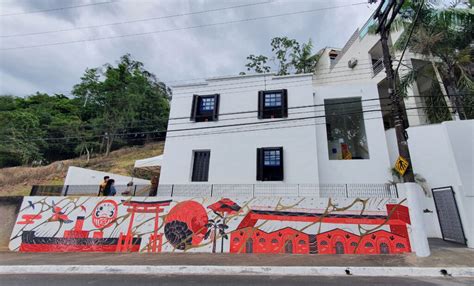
(328, 133)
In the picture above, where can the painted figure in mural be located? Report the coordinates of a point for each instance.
(109, 189)
(102, 186)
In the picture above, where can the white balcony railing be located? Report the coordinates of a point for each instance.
(377, 66)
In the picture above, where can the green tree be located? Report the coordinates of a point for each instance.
(132, 103)
(289, 55)
(444, 36)
(21, 133)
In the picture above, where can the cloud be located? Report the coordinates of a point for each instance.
(172, 56)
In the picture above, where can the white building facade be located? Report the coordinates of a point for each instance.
(327, 134)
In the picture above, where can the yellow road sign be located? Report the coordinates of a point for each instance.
(401, 165)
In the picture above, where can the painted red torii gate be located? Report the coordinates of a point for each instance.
(135, 207)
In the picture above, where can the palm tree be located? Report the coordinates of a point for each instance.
(215, 227)
(444, 36)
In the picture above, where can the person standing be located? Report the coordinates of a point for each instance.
(102, 186)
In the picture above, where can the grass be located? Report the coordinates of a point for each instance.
(17, 181)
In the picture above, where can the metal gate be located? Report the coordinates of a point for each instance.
(448, 215)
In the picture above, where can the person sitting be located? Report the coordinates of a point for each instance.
(102, 186)
(129, 190)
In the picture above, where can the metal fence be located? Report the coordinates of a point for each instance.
(222, 190)
(86, 190)
(261, 190)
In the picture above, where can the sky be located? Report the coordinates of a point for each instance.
(54, 62)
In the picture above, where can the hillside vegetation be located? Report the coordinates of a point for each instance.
(111, 107)
(18, 180)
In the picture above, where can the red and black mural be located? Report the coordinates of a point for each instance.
(247, 238)
(240, 225)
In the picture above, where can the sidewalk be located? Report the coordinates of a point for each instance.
(456, 260)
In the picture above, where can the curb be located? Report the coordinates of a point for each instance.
(240, 270)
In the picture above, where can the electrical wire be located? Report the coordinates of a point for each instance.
(58, 9)
(135, 21)
(258, 123)
(183, 28)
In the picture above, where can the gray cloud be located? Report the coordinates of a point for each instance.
(172, 56)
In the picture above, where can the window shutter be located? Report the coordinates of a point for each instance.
(261, 100)
(284, 103)
(215, 114)
(201, 166)
(281, 164)
(194, 107)
(259, 164)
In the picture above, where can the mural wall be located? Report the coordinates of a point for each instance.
(299, 225)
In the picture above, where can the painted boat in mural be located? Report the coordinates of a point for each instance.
(32, 243)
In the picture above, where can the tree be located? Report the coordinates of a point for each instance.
(444, 36)
(257, 63)
(284, 49)
(215, 227)
(21, 133)
(127, 96)
(303, 60)
(289, 55)
(113, 106)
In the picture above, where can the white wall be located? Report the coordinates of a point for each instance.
(82, 176)
(360, 49)
(233, 149)
(373, 170)
(443, 154)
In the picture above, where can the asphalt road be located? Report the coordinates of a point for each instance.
(135, 280)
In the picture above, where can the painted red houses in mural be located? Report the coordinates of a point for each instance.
(247, 238)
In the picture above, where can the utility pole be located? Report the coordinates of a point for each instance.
(412, 190)
(385, 19)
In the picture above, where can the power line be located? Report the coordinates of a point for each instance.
(58, 9)
(183, 28)
(135, 21)
(258, 123)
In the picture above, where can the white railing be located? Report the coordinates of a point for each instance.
(377, 66)
(262, 190)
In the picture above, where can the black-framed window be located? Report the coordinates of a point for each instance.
(270, 164)
(345, 128)
(205, 108)
(200, 166)
(272, 103)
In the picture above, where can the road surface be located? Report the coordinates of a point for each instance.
(136, 280)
